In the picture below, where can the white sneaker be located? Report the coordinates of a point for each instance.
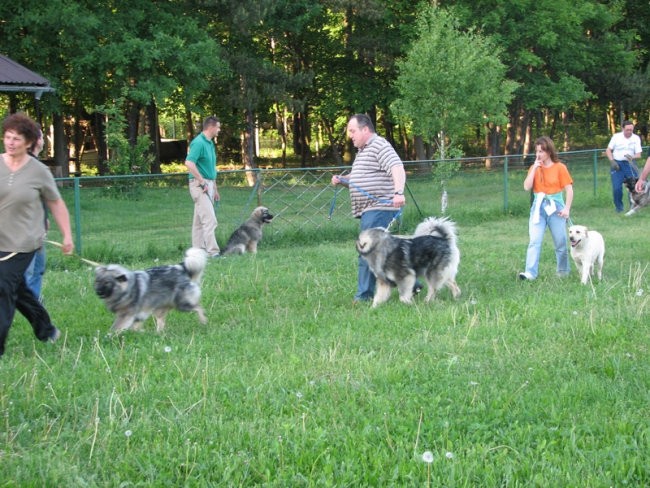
(526, 276)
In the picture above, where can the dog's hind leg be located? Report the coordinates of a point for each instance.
(601, 260)
(382, 293)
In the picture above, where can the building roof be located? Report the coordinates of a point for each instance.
(14, 77)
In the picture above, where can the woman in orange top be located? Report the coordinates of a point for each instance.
(548, 178)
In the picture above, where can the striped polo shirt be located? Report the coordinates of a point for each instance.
(371, 181)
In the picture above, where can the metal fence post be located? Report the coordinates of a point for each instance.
(505, 184)
(77, 216)
(595, 171)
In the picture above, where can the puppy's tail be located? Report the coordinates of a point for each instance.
(194, 262)
(438, 227)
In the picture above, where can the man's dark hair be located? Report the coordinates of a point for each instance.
(210, 121)
(364, 121)
(627, 122)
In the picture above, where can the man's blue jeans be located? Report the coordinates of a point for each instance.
(35, 272)
(557, 226)
(366, 280)
(626, 170)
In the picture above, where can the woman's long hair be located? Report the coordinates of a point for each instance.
(546, 143)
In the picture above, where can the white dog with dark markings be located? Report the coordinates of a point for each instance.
(587, 251)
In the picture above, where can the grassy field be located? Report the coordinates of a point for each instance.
(515, 384)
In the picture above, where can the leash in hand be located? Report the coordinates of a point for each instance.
(87, 261)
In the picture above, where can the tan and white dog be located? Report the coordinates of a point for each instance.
(587, 251)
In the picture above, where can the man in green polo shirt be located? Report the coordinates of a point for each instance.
(201, 163)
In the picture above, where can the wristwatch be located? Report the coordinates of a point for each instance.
(399, 193)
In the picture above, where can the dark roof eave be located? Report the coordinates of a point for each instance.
(36, 90)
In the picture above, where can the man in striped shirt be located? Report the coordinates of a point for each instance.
(376, 184)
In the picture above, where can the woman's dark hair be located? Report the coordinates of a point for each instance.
(23, 125)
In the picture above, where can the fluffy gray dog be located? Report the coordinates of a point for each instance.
(397, 261)
(135, 295)
(249, 234)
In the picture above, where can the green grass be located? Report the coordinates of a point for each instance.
(523, 384)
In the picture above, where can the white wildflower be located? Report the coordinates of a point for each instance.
(427, 457)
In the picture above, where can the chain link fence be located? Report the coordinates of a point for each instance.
(122, 218)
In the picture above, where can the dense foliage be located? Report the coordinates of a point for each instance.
(299, 68)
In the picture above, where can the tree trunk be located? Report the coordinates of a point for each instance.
(61, 156)
(133, 123)
(281, 127)
(154, 135)
(420, 149)
(334, 143)
(189, 127)
(248, 148)
(611, 118)
(305, 139)
(99, 124)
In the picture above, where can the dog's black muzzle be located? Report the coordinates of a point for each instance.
(103, 290)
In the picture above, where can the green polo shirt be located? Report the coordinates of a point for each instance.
(203, 154)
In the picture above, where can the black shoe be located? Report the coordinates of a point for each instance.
(417, 288)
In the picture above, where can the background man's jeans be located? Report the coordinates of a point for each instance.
(626, 170)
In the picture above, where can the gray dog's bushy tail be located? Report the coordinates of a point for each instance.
(194, 262)
(437, 227)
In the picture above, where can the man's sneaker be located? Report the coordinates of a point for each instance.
(55, 335)
(526, 276)
(215, 255)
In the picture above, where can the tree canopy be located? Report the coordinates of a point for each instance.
(473, 69)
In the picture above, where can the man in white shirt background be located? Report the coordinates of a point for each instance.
(623, 148)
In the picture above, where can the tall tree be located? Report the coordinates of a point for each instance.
(557, 51)
(450, 78)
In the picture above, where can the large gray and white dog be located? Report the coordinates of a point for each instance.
(246, 237)
(133, 296)
(431, 252)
